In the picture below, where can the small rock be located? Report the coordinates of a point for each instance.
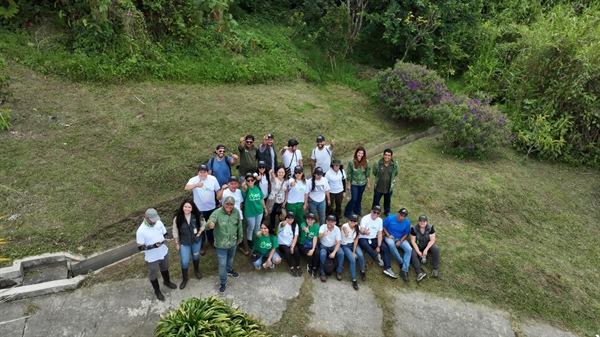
(13, 217)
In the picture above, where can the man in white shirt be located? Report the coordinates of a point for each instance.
(370, 240)
(291, 156)
(330, 239)
(322, 154)
(151, 238)
(204, 187)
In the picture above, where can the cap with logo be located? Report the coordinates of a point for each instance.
(152, 215)
(331, 217)
(353, 217)
(298, 169)
(320, 138)
(270, 136)
(229, 200)
(376, 208)
(202, 167)
(422, 218)
(403, 211)
(336, 162)
(310, 216)
(220, 146)
(292, 142)
(249, 137)
(289, 215)
(262, 164)
(318, 170)
(232, 178)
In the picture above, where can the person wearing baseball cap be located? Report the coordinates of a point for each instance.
(396, 228)
(352, 250)
(385, 171)
(151, 238)
(267, 153)
(204, 188)
(231, 189)
(309, 233)
(220, 165)
(297, 199)
(228, 232)
(321, 155)
(422, 239)
(318, 193)
(370, 240)
(248, 155)
(330, 240)
(290, 155)
(337, 187)
(287, 237)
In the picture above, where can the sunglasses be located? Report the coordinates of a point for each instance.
(250, 180)
(375, 212)
(249, 142)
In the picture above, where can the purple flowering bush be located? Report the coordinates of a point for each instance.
(409, 90)
(471, 126)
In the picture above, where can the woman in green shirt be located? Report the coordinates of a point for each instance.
(265, 245)
(357, 179)
(307, 241)
(254, 205)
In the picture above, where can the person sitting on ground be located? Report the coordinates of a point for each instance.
(151, 238)
(422, 239)
(396, 228)
(265, 245)
(330, 241)
(254, 205)
(287, 237)
(371, 240)
(309, 232)
(231, 190)
(188, 226)
(279, 194)
(352, 250)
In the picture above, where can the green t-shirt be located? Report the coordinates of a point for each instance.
(385, 179)
(312, 232)
(253, 201)
(264, 244)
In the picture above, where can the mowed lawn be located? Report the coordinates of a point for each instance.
(82, 162)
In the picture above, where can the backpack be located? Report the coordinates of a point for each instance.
(329, 266)
(211, 163)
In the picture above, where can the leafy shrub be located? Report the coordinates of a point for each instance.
(208, 317)
(409, 90)
(558, 69)
(472, 127)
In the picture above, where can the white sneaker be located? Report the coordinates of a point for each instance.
(389, 272)
(264, 265)
(379, 260)
(257, 267)
(272, 265)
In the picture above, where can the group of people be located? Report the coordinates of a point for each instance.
(288, 215)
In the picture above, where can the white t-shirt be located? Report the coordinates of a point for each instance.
(332, 237)
(278, 189)
(373, 226)
(351, 234)
(322, 157)
(335, 180)
(290, 160)
(297, 192)
(263, 183)
(204, 197)
(149, 235)
(318, 193)
(285, 236)
(237, 195)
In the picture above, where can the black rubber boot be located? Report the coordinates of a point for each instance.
(157, 292)
(184, 274)
(167, 280)
(196, 269)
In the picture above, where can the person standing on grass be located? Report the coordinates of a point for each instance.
(204, 188)
(330, 241)
(396, 228)
(188, 226)
(151, 238)
(263, 179)
(297, 200)
(370, 240)
(385, 171)
(228, 231)
(254, 205)
(220, 165)
(309, 232)
(287, 237)
(248, 155)
(321, 155)
(267, 153)
(279, 194)
(422, 239)
(265, 245)
(358, 179)
(231, 190)
(352, 251)
(291, 156)
(337, 188)
(318, 194)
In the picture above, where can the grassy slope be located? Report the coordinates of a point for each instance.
(116, 150)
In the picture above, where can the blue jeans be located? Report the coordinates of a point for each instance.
(225, 256)
(354, 205)
(275, 257)
(185, 251)
(370, 249)
(359, 254)
(253, 224)
(405, 247)
(325, 251)
(387, 198)
(315, 207)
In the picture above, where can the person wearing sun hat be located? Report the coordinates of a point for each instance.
(422, 239)
(228, 233)
(151, 238)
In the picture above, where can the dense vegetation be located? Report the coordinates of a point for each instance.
(536, 60)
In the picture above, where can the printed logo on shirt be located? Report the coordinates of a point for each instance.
(266, 245)
(254, 197)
